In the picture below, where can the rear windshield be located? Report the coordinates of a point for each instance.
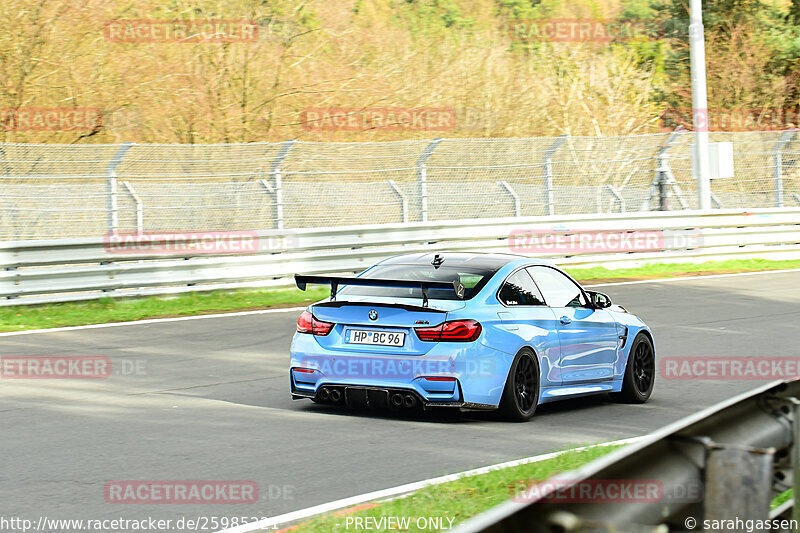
(472, 279)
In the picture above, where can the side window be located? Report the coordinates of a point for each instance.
(519, 289)
(558, 289)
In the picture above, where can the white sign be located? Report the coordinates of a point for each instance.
(720, 156)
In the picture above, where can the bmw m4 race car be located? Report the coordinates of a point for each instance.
(469, 331)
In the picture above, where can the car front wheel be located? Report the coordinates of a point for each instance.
(640, 372)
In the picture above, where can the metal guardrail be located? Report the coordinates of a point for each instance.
(76, 269)
(740, 454)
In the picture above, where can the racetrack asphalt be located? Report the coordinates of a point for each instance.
(208, 400)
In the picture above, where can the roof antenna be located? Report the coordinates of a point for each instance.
(437, 261)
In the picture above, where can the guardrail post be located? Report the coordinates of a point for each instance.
(514, 197)
(112, 206)
(138, 203)
(277, 176)
(547, 168)
(738, 484)
(777, 164)
(422, 178)
(795, 403)
(403, 199)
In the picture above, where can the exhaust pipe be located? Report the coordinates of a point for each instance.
(324, 394)
(336, 395)
(409, 401)
(396, 400)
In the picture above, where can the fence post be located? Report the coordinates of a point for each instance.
(422, 178)
(112, 206)
(402, 197)
(663, 170)
(547, 162)
(777, 164)
(277, 177)
(138, 203)
(514, 198)
(617, 196)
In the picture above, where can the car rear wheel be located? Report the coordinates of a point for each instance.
(640, 372)
(521, 393)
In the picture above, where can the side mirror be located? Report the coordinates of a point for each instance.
(599, 300)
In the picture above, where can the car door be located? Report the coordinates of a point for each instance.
(527, 319)
(589, 337)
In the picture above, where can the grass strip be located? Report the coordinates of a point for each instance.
(24, 317)
(669, 270)
(460, 499)
(457, 500)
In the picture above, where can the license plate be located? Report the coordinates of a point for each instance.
(382, 338)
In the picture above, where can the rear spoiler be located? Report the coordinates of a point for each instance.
(335, 281)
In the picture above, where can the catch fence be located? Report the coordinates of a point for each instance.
(72, 191)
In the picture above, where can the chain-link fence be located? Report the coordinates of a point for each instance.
(55, 191)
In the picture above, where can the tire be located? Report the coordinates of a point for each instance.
(521, 393)
(640, 372)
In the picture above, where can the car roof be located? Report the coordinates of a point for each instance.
(476, 260)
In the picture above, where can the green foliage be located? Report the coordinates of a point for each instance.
(752, 50)
(717, 14)
(427, 17)
(636, 9)
(518, 9)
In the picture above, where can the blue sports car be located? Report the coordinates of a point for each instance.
(469, 331)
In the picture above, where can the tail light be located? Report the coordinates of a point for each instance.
(308, 323)
(452, 331)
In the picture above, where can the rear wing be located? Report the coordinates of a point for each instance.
(424, 286)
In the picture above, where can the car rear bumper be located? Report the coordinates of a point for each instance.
(467, 375)
(307, 385)
(397, 398)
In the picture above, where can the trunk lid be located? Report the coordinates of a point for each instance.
(394, 316)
